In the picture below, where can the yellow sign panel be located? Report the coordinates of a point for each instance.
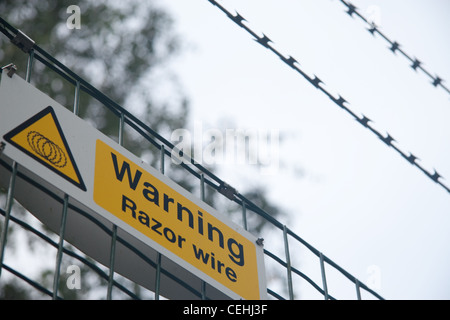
(41, 137)
(173, 221)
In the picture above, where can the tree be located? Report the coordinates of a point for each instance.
(119, 47)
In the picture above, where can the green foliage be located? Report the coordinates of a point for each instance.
(13, 290)
(118, 48)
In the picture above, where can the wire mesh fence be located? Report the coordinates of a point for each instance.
(285, 244)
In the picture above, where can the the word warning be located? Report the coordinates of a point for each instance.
(175, 222)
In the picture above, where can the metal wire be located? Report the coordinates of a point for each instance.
(102, 227)
(205, 177)
(339, 100)
(394, 46)
(324, 278)
(9, 202)
(60, 247)
(158, 255)
(71, 253)
(288, 264)
(114, 229)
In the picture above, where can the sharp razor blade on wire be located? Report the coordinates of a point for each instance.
(394, 46)
(340, 101)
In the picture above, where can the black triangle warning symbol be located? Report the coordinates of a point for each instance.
(42, 138)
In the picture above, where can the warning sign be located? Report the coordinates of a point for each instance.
(175, 222)
(64, 154)
(42, 138)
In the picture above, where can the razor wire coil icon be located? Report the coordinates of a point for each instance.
(47, 149)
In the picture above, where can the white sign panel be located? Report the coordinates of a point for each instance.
(68, 156)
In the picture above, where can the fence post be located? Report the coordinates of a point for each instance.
(62, 230)
(29, 65)
(358, 289)
(9, 202)
(244, 214)
(76, 100)
(324, 280)
(112, 255)
(158, 255)
(288, 263)
(202, 194)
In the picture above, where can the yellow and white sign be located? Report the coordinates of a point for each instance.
(175, 222)
(103, 180)
(42, 138)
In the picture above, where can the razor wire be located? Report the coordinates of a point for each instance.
(166, 148)
(395, 46)
(265, 41)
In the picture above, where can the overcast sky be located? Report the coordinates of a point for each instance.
(347, 193)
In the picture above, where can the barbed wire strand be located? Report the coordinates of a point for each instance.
(395, 46)
(339, 101)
